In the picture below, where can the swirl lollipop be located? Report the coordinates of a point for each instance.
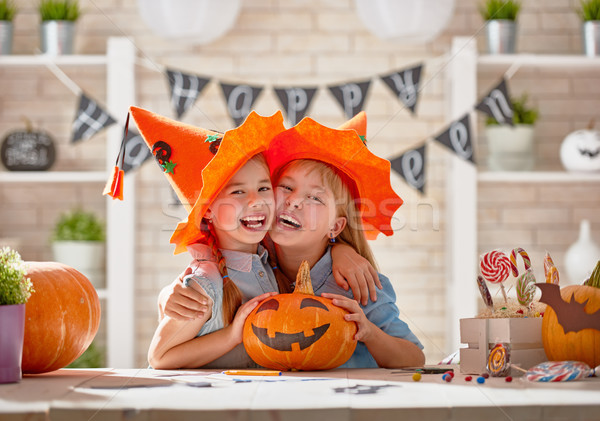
(513, 260)
(559, 371)
(485, 292)
(495, 267)
(550, 271)
(526, 288)
(498, 363)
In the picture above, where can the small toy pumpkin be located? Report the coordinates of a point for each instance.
(580, 150)
(299, 331)
(62, 317)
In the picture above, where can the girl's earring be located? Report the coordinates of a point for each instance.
(331, 238)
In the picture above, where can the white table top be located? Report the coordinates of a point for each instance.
(370, 394)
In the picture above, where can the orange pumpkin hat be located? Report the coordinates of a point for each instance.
(345, 150)
(237, 147)
(181, 150)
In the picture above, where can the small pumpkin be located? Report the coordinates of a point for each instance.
(583, 344)
(299, 331)
(580, 150)
(62, 317)
(28, 150)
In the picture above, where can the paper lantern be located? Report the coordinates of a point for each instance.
(190, 21)
(409, 21)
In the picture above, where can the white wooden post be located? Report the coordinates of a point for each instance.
(461, 197)
(120, 238)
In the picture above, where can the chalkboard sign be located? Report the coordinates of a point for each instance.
(27, 151)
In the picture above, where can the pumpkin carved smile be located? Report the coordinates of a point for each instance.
(284, 341)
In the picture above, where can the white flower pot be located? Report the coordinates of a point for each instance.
(6, 37)
(88, 257)
(57, 37)
(510, 148)
(501, 36)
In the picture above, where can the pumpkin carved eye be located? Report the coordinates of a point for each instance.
(268, 305)
(311, 302)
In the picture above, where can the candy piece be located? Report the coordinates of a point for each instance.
(468, 378)
(447, 378)
(485, 375)
(526, 287)
(558, 371)
(485, 292)
(498, 364)
(450, 373)
(495, 266)
(508, 379)
(481, 380)
(550, 271)
(416, 377)
(513, 260)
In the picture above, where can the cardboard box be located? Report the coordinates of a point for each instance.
(523, 334)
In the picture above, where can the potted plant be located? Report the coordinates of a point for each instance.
(7, 13)
(590, 15)
(511, 148)
(78, 241)
(501, 25)
(58, 25)
(15, 290)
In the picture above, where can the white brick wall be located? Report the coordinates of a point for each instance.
(316, 42)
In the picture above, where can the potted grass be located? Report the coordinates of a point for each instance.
(58, 25)
(511, 148)
(78, 241)
(7, 13)
(501, 25)
(590, 16)
(15, 290)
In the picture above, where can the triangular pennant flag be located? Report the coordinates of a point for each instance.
(295, 102)
(351, 96)
(411, 166)
(240, 100)
(185, 90)
(90, 119)
(405, 85)
(458, 138)
(497, 104)
(136, 152)
(114, 185)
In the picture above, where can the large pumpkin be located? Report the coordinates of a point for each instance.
(299, 331)
(581, 345)
(61, 317)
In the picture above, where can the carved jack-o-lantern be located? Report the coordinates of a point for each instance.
(299, 331)
(580, 151)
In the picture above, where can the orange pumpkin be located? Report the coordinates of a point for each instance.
(61, 317)
(582, 345)
(299, 331)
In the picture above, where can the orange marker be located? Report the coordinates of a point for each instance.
(252, 373)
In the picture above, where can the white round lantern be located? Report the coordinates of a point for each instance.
(190, 21)
(409, 21)
(580, 151)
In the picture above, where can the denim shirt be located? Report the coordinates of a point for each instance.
(252, 275)
(383, 313)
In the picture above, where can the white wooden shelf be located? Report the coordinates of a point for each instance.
(66, 60)
(52, 176)
(537, 177)
(537, 60)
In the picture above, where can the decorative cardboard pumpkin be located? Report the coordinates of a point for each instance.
(27, 150)
(571, 325)
(580, 151)
(61, 317)
(299, 331)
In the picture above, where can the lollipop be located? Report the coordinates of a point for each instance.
(495, 267)
(513, 260)
(526, 288)
(498, 363)
(550, 270)
(559, 371)
(485, 292)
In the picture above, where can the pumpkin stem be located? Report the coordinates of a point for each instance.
(591, 124)
(594, 280)
(303, 282)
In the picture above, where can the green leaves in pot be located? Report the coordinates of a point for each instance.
(590, 10)
(15, 286)
(500, 9)
(78, 225)
(7, 10)
(522, 113)
(59, 10)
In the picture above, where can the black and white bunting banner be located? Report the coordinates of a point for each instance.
(411, 166)
(90, 119)
(136, 151)
(405, 85)
(185, 90)
(497, 104)
(239, 100)
(295, 102)
(351, 96)
(458, 138)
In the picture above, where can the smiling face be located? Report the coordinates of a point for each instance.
(305, 208)
(243, 211)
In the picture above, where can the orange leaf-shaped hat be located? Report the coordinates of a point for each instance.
(237, 147)
(345, 150)
(181, 150)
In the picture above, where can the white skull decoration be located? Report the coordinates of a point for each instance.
(580, 151)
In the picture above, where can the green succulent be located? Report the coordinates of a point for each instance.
(7, 10)
(15, 286)
(59, 10)
(522, 113)
(590, 10)
(78, 225)
(500, 9)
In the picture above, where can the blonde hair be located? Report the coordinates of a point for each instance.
(341, 185)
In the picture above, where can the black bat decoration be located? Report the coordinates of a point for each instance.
(570, 315)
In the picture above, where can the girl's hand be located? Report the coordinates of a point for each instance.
(237, 325)
(183, 303)
(351, 269)
(357, 315)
